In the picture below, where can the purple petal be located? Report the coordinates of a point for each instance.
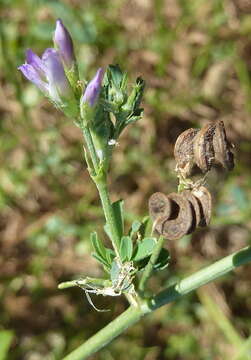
(93, 88)
(32, 74)
(64, 44)
(35, 61)
(58, 83)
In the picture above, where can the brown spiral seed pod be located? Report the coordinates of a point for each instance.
(183, 151)
(203, 147)
(222, 147)
(196, 209)
(205, 203)
(159, 206)
(180, 220)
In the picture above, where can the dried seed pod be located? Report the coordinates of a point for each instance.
(205, 203)
(203, 147)
(222, 147)
(183, 151)
(180, 220)
(196, 209)
(159, 206)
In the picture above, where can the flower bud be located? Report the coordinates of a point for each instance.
(92, 90)
(63, 43)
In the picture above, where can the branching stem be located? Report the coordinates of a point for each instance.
(134, 314)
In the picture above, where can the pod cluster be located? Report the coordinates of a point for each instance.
(179, 214)
(203, 148)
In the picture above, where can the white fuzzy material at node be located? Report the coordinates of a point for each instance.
(112, 142)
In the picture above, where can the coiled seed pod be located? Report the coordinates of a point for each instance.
(180, 221)
(203, 147)
(173, 215)
(222, 147)
(196, 209)
(205, 203)
(183, 151)
(159, 206)
(176, 215)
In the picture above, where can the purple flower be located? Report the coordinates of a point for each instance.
(92, 90)
(63, 42)
(59, 86)
(35, 62)
(47, 74)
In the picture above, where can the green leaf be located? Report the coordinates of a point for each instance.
(101, 260)
(146, 227)
(110, 255)
(144, 248)
(102, 254)
(107, 230)
(124, 81)
(6, 337)
(161, 263)
(126, 248)
(98, 245)
(142, 227)
(135, 227)
(134, 99)
(115, 74)
(115, 269)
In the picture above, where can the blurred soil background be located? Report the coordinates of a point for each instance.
(196, 59)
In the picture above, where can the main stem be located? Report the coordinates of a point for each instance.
(91, 148)
(109, 214)
(133, 314)
(101, 183)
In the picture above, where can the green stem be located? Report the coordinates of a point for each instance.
(133, 314)
(109, 214)
(107, 334)
(149, 267)
(101, 182)
(84, 282)
(91, 148)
